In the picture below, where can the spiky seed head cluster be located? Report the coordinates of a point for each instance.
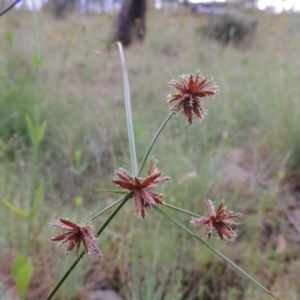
(219, 221)
(191, 88)
(74, 236)
(142, 189)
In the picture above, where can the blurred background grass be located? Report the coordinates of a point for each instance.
(246, 151)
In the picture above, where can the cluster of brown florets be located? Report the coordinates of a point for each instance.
(219, 221)
(142, 189)
(74, 236)
(190, 89)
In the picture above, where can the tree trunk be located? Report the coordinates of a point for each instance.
(61, 7)
(131, 19)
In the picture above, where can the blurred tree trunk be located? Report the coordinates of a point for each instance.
(61, 7)
(132, 18)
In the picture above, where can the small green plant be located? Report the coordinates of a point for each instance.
(23, 268)
(36, 191)
(36, 134)
(22, 272)
(230, 29)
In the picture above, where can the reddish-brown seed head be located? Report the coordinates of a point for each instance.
(219, 221)
(142, 189)
(190, 89)
(75, 235)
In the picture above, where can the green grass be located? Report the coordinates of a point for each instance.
(81, 98)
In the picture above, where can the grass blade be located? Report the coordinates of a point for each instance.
(134, 165)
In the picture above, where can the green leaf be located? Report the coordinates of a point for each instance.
(78, 201)
(9, 37)
(22, 272)
(2, 145)
(281, 175)
(23, 277)
(18, 264)
(37, 60)
(40, 132)
(36, 133)
(18, 210)
(31, 129)
(38, 196)
(77, 156)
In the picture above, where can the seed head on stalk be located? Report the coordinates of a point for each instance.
(191, 88)
(142, 189)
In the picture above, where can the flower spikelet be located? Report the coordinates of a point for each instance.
(75, 235)
(191, 88)
(142, 189)
(219, 221)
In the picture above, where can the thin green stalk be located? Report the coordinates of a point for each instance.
(181, 210)
(212, 249)
(134, 165)
(153, 142)
(36, 29)
(104, 210)
(35, 147)
(33, 178)
(62, 280)
(111, 191)
(36, 56)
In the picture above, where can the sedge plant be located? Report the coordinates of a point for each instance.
(191, 88)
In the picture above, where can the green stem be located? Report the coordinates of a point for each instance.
(103, 211)
(36, 34)
(212, 249)
(61, 281)
(37, 53)
(111, 191)
(153, 142)
(31, 196)
(181, 210)
(113, 214)
(35, 147)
